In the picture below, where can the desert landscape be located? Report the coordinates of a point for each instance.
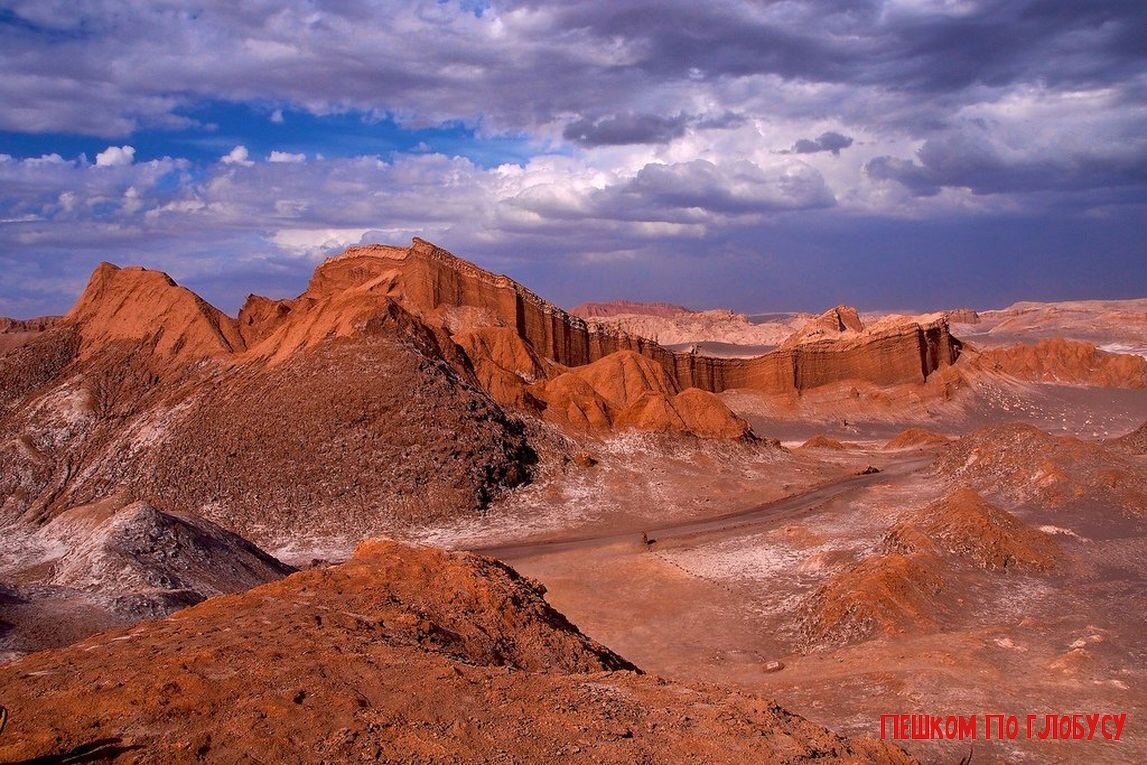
(374, 514)
(518, 382)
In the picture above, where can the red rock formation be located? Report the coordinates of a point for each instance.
(965, 525)
(38, 324)
(916, 437)
(136, 304)
(822, 441)
(429, 281)
(1134, 442)
(505, 365)
(881, 595)
(260, 316)
(1066, 361)
(900, 589)
(835, 321)
(16, 332)
(628, 390)
(1023, 463)
(618, 307)
(962, 316)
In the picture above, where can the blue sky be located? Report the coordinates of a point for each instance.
(909, 154)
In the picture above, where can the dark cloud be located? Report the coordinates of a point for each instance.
(732, 189)
(829, 141)
(971, 159)
(623, 129)
(629, 128)
(108, 68)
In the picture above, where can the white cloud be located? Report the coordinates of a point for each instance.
(277, 117)
(317, 240)
(116, 156)
(237, 156)
(284, 156)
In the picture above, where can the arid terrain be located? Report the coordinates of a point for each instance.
(419, 514)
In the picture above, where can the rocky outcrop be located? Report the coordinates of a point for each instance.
(147, 558)
(880, 596)
(1134, 442)
(842, 320)
(438, 288)
(38, 324)
(430, 282)
(356, 436)
(903, 587)
(260, 317)
(402, 654)
(962, 316)
(963, 524)
(16, 332)
(628, 390)
(914, 438)
(822, 441)
(1023, 463)
(1066, 361)
(137, 305)
(630, 308)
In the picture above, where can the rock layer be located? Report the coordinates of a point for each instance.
(1066, 361)
(429, 279)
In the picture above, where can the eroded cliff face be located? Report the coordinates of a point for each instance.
(431, 282)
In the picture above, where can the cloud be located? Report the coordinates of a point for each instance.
(650, 127)
(115, 156)
(626, 128)
(682, 193)
(283, 156)
(733, 188)
(237, 156)
(317, 240)
(525, 65)
(985, 157)
(830, 141)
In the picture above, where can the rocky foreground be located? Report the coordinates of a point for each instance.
(402, 654)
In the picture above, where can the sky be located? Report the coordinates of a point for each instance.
(762, 156)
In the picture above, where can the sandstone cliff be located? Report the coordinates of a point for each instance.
(630, 308)
(431, 282)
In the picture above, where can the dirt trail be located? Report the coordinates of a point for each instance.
(742, 521)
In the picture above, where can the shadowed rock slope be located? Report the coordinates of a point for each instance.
(400, 655)
(1134, 442)
(115, 562)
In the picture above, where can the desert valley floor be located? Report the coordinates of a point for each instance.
(831, 517)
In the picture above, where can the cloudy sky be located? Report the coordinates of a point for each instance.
(909, 154)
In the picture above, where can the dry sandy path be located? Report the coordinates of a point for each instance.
(742, 521)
